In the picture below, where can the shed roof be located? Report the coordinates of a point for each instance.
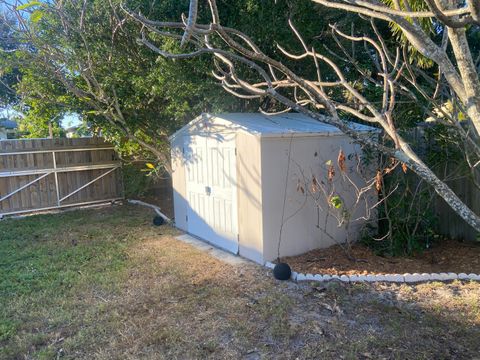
(270, 125)
(8, 124)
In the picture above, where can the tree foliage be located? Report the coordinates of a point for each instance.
(396, 65)
(439, 32)
(9, 72)
(76, 66)
(122, 88)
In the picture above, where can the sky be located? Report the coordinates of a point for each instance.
(70, 120)
(67, 121)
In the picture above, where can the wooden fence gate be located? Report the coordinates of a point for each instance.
(43, 174)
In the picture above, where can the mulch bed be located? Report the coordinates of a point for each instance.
(447, 256)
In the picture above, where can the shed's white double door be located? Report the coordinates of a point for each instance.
(211, 188)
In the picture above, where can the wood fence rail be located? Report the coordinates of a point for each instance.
(43, 174)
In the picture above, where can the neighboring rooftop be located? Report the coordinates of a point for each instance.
(72, 128)
(7, 124)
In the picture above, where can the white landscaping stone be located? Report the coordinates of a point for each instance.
(353, 278)
(411, 278)
(462, 276)
(395, 278)
(387, 278)
(426, 277)
(380, 277)
(294, 275)
(472, 276)
(301, 277)
(370, 278)
(318, 277)
(419, 277)
(477, 277)
(269, 265)
(416, 277)
(344, 278)
(310, 277)
(443, 276)
(326, 277)
(334, 277)
(362, 278)
(452, 276)
(436, 277)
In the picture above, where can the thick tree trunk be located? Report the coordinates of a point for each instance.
(406, 155)
(162, 158)
(468, 72)
(422, 170)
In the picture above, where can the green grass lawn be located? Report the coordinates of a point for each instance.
(52, 268)
(106, 284)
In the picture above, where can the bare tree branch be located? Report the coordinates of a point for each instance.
(392, 68)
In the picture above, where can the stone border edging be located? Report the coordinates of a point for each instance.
(393, 278)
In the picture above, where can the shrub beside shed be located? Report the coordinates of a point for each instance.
(237, 182)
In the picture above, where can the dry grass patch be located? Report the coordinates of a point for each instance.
(107, 284)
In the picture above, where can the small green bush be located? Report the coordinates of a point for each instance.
(407, 221)
(136, 181)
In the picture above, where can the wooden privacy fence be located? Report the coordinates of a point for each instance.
(449, 223)
(43, 174)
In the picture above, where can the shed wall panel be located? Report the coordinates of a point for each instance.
(261, 162)
(304, 228)
(249, 197)
(179, 184)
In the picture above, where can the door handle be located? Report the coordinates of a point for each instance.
(208, 190)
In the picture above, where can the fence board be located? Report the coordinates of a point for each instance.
(449, 223)
(74, 162)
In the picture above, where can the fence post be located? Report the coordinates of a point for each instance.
(57, 189)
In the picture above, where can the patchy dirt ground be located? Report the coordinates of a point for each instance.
(446, 256)
(103, 284)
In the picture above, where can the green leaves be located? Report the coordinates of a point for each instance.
(336, 202)
(36, 16)
(426, 24)
(29, 5)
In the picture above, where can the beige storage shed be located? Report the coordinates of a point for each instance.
(240, 182)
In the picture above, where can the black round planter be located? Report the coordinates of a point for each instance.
(282, 271)
(158, 220)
